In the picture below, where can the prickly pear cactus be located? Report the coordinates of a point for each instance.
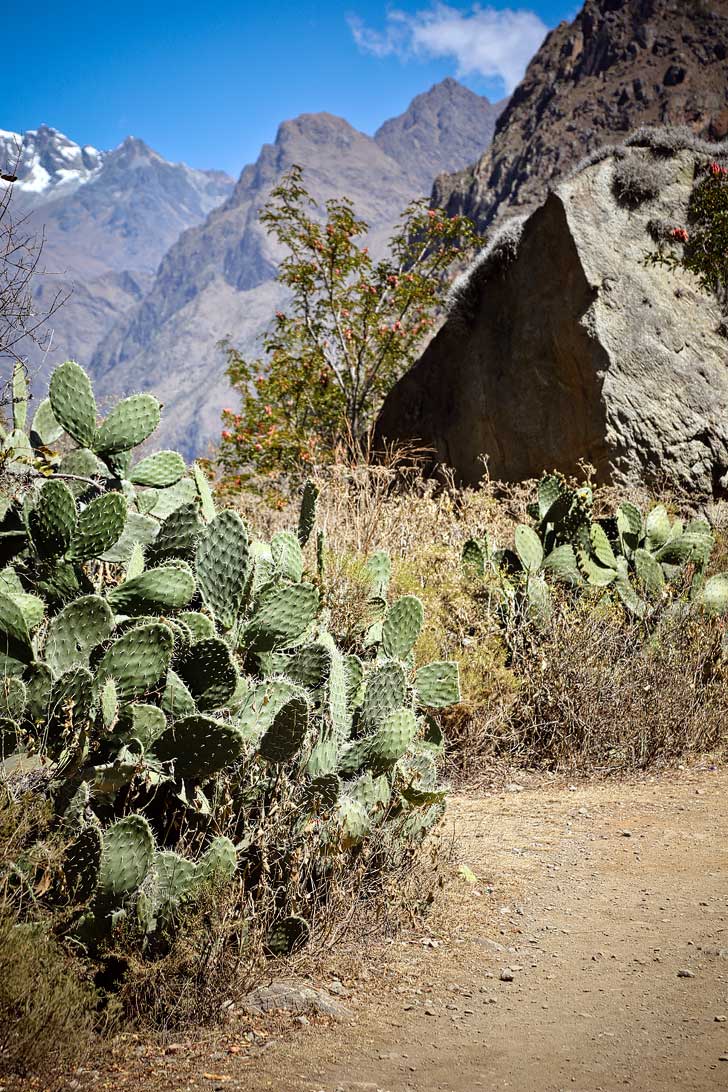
(176, 677)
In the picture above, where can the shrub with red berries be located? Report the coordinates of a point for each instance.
(352, 328)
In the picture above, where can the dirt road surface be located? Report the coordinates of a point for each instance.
(588, 952)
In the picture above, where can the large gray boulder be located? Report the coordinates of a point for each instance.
(562, 344)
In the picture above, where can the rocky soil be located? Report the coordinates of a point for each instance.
(582, 944)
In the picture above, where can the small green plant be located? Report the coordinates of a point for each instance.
(177, 680)
(353, 326)
(703, 241)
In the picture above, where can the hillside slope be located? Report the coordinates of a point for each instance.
(620, 64)
(107, 218)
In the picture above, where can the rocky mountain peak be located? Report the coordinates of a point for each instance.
(47, 163)
(442, 127)
(620, 64)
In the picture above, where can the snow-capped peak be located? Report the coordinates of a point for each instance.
(47, 163)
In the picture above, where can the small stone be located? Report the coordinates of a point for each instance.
(430, 1012)
(719, 1019)
(337, 989)
(685, 973)
(506, 976)
(626, 833)
(302, 1020)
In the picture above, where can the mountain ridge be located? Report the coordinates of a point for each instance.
(618, 65)
(217, 280)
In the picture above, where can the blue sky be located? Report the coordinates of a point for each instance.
(209, 83)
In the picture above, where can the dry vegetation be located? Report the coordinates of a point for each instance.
(590, 691)
(55, 1003)
(593, 691)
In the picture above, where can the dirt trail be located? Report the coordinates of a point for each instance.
(595, 898)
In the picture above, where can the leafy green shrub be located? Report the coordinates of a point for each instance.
(353, 326)
(177, 679)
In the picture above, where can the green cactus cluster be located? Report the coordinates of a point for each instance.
(641, 559)
(173, 673)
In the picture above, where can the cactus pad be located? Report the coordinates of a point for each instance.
(138, 660)
(159, 471)
(13, 697)
(402, 626)
(167, 587)
(130, 422)
(178, 534)
(353, 821)
(310, 666)
(392, 740)
(75, 631)
(379, 571)
(176, 699)
(307, 514)
(126, 856)
(209, 672)
(81, 864)
(139, 530)
(713, 596)
(167, 500)
(73, 403)
(204, 493)
(53, 519)
(528, 548)
(385, 691)
(199, 747)
(99, 526)
(15, 642)
(287, 556)
(219, 863)
(287, 936)
(284, 615)
(285, 737)
(437, 685)
(45, 429)
(223, 558)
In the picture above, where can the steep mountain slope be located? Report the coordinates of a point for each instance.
(107, 219)
(440, 130)
(217, 281)
(620, 64)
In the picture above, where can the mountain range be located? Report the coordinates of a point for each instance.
(166, 261)
(107, 219)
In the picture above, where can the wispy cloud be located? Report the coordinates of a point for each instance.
(489, 42)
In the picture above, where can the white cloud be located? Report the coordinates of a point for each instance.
(483, 41)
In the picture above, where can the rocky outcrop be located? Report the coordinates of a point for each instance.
(563, 344)
(620, 64)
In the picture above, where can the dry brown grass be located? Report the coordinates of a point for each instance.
(611, 698)
(48, 1004)
(602, 692)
